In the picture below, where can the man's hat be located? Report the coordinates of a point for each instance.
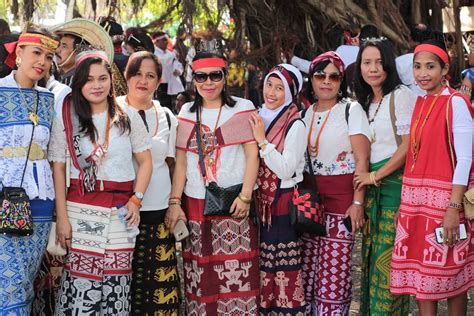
(90, 31)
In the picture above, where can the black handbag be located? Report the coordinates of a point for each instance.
(306, 208)
(218, 200)
(15, 212)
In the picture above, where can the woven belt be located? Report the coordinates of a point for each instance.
(36, 152)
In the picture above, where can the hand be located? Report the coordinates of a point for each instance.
(395, 218)
(356, 213)
(258, 128)
(451, 226)
(173, 214)
(63, 232)
(239, 209)
(133, 215)
(361, 179)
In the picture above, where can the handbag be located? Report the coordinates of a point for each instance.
(306, 209)
(218, 200)
(54, 248)
(15, 213)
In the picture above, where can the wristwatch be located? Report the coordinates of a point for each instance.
(139, 195)
(263, 143)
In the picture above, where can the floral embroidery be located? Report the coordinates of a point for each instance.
(344, 164)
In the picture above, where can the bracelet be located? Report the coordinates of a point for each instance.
(244, 199)
(175, 198)
(174, 203)
(457, 206)
(372, 178)
(357, 203)
(135, 201)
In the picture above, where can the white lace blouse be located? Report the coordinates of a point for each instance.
(117, 165)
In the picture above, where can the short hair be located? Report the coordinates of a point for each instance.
(4, 27)
(369, 31)
(135, 62)
(140, 41)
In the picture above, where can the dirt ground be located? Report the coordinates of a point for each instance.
(354, 311)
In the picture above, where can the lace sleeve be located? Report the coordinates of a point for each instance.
(139, 136)
(405, 101)
(57, 144)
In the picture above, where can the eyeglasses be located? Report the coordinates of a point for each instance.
(333, 76)
(215, 76)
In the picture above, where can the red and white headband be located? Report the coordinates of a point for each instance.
(208, 62)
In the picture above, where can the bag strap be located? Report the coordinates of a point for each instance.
(311, 171)
(197, 127)
(31, 138)
(168, 119)
(398, 139)
(450, 145)
(348, 106)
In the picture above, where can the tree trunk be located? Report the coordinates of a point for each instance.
(458, 37)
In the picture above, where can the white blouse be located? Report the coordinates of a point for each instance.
(335, 155)
(162, 146)
(383, 140)
(288, 165)
(117, 165)
(232, 161)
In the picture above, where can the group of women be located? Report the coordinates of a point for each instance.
(390, 164)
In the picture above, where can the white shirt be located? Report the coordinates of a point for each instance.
(383, 140)
(335, 154)
(170, 63)
(232, 161)
(288, 165)
(163, 145)
(11, 169)
(404, 65)
(60, 91)
(117, 164)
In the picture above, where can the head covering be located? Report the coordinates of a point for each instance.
(88, 30)
(292, 82)
(333, 58)
(114, 29)
(438, 51)
(208, 62)
(90, 54)
(33, 39)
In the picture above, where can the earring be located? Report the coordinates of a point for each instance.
(111, 94)
(18, 61)
(339, 94)
(444, 81)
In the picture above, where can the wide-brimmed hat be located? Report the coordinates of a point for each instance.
(90, 31)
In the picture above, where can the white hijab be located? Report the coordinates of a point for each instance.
(269, 115)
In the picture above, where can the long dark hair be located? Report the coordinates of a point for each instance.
(225, 96)
(320, 67)
(82, 106)
(362, 89)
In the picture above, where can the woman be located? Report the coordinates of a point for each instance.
(27, 113)
(155, 274)
(432, 193)
(389, 106)
(220, 256)
(280, 134)
(328, 260)
(101, 140)
(137, 42)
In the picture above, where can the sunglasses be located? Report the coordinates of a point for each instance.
(215, 76)
(333, 76)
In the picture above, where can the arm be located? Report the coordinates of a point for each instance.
(175, 211)
(145, 169)
(63, 227)
(462, 137)
(361, 149)
(239, 208)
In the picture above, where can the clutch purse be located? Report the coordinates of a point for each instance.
(219, 200)
(15, 214)
(306, 212)
(53, 248)
(468, 202)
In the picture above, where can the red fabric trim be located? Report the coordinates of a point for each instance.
(108, 185)
(434, 50)
(214, 298)
(208, 62)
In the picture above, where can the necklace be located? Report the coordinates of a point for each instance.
(314, 149)
(32, 116)
(144, 117)
(415, 135)
(212, 144)
(371, 120)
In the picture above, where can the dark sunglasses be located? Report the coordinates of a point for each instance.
(333, 76)
(215, 76)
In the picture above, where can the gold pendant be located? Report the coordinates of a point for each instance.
(34, 118)
(210, 161)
